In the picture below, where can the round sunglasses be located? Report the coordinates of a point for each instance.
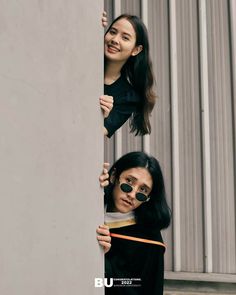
(127, 188)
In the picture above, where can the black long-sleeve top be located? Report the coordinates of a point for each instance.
(126, 100)
(142, 261)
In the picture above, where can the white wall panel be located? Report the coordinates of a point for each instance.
(48, 62)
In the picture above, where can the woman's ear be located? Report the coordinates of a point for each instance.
(137, 50)
(113, 176)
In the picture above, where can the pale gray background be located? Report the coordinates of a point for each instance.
(51, 146)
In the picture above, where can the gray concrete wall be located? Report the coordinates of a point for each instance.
(50, 150)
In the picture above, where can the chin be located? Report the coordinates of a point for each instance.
(110, 57)
(123, 210)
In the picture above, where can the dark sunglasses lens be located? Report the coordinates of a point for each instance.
(141, 197)
(126, 188)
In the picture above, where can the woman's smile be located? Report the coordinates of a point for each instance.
(120, 39)
(112, 48)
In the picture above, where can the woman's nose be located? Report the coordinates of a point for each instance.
(132, 194)
(115, 40)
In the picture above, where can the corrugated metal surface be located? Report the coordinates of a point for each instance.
(131, 6)
(193, 126)
(189, 133)
(221, 127)
(160, 140)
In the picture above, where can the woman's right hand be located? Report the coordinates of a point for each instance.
(104, 19)
(104, 177)
(103, 237)
(106, 104)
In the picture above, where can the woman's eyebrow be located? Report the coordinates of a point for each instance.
(131, 176)
(134, 178)
(125, 33)
(146, 186)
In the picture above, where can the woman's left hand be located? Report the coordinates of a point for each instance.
(104, 177)
(104, 238)
(104, 19)
(106, 103)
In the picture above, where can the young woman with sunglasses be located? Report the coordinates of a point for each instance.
(135, 212)
(128, 76)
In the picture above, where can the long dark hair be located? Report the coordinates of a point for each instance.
(138, 71)
(155, 212)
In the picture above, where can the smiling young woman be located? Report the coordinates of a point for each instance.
(120, 45)
(128, 76)
(135, 212)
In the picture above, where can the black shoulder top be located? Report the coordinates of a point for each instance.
(126, 100)
(141, 258)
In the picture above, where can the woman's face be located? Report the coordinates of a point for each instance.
(140, 180)
(120, 42)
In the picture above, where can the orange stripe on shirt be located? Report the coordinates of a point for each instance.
(137, 239)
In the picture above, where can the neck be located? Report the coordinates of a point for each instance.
(112, 71)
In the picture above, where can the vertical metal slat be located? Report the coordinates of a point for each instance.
(118, 134)
(206, 136)
(232, 12)
(175, 135)
(144, 16)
